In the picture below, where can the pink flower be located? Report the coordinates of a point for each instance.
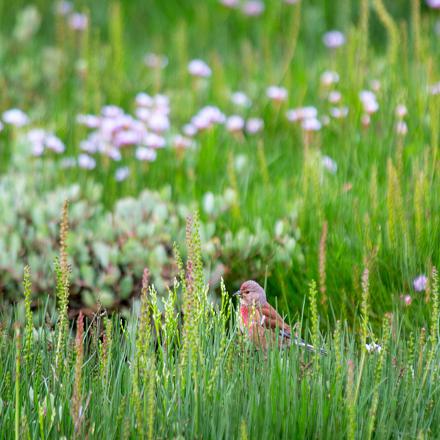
(86, 162)
(199, 68)
(254, 125)
(230, 3)
(401, 128)
(78, 22)
(311, 124)
(407, 299)
(122, 173)
(339, 112)
(329, 78)
(401, 111)
(253, 8)
(334, 96)
(145, 154)
(420, 282)
(434, 4)
(333, 39)
(234, 123)
(240, 99)
(276, 93)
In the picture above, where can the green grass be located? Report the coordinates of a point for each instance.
(157, 375)
(366, 232)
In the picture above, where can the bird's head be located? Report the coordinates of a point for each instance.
(251, 293)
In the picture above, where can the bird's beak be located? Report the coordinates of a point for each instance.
(237, 293)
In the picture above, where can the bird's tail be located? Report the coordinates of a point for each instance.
(303, 344)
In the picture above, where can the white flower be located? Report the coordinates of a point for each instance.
(199, 68)
(373, 348)
(15, 117)
(253, 8)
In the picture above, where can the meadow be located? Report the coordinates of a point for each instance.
(290, 142)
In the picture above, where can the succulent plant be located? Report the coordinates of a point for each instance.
(108, 250)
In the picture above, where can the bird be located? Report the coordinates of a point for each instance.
(262, 323)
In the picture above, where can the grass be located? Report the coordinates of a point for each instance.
(379, 207)
(177, 365)
(168, 375)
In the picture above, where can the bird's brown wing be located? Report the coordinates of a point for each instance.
(271, 319)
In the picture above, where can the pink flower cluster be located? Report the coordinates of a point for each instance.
(75, 20)
(42, 140)
(114, 130)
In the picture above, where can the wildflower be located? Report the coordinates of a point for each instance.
(369, 101)
(434, 4)
(291, 2)
(159, 122)
(253, 8)
(153, 140)
(311, 124)
(254, 125)
(401, 128)
(122, 173)
(111, 111)
(182, 142)
(15, 117)
(401, 111)
(145, 154)
(329, 78)
(301, 113)
(407, 299)
(434, 89)
(55, 144)
(333, 39)
(63, 7)
(334, 97)
(155, 61)
(339, 112)
(234, 123)
(86, 162)
(276, 93)
(240, 99)
(373, 348)
(329, 164)
(230, 3)
(189, 130)
(365, 120)
(419, 283)
(199, 68)
(78, 21)
(90, 121)
(144, 100)
(240, 162)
